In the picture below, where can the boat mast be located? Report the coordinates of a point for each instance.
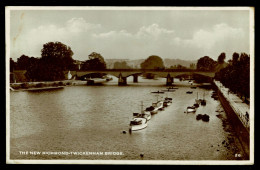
(142, 107)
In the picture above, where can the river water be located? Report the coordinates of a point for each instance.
(93, 118)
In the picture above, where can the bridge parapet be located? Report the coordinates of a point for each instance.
(160, 73)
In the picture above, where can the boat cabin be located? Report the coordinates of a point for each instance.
(136, 122)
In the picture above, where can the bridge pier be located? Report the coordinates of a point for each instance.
(122, 80)
(135, 78)
(169, 80)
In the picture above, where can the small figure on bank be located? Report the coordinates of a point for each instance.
(247, 116)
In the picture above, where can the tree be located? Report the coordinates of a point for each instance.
(236, 76)
(206, 64)
(57, 54)
(181, 67)
(34, 70)
(95, 62)
(192, 66)
(221, 58)
(12, 65)
(56, 57)
(173, 67)
(121, 65)
(153, 62)
(22, 62)
(235, 57)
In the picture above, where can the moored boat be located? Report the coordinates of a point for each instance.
(157, 106)
(204, 117)
(167, 101)
(191, 109)
(197, 101)
(143, 114)
(157, 91)
(151, 110)
(146, 115)
(137, 124)
(196, 105)
(172, 88)
(203, 101)
(169, 90)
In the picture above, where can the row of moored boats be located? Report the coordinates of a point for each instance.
(140, 120)
(196, 104)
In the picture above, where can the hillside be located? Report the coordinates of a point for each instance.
(171, 62)
(136, 63)
(131, 63)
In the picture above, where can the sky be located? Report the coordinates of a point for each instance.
(131, 33)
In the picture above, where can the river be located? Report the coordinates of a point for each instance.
(93, 118)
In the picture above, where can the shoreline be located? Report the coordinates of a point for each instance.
(31, 86)
(37, 89)
(235, 118)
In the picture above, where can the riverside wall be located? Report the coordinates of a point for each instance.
(236, 112)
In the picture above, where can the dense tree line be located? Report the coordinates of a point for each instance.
(178, 66)
(56, 58)
(206, 64)
(236, 76)
(95, 62)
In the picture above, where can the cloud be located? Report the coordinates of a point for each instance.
(220, 38)
(220, 33)
(153, 30)
(84, 38)
(79, 25)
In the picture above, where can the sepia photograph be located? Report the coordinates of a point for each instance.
(130, 85)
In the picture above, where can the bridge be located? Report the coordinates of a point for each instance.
(123, 74)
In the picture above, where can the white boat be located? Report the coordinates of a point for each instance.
(138, 124)
(146, 115)
(191, 109)
(143, 114)
(157, 106)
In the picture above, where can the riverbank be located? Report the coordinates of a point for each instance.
(238, 113)
(45, 85)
